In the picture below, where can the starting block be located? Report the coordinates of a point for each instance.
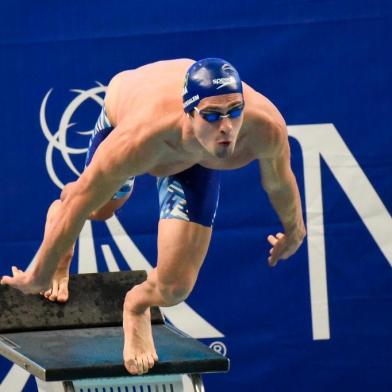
(77, 346)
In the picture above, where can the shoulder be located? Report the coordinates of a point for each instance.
(114, 91)
(120, 77)
(264, 124)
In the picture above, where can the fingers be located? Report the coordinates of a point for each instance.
(272, 261)
(275, 251)
(272, 240)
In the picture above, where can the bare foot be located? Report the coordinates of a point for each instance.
(139, 350)
(59, 290)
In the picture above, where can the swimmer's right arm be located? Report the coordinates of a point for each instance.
(106, 173)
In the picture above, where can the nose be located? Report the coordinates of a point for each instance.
(225, 126)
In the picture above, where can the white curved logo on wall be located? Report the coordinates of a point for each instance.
(58, 140)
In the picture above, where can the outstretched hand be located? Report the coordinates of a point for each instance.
(283, 246)
(23, 281)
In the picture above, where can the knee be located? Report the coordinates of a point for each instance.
(66, 190)
(175, 292)
(108, 210)
(52, 211)
(100, 215)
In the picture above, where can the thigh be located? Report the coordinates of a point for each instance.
(182, 248)
(188, 203)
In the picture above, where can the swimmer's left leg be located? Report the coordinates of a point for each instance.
(182, 247)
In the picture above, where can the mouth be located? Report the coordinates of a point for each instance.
(224, 143)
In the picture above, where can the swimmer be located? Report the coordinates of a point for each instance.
(183, 122)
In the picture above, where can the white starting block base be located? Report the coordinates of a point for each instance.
(161, 383)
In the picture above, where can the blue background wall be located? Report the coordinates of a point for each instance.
(319, 62)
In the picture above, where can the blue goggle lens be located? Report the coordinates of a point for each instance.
(236, 112)
(211, 117)
(215, 116)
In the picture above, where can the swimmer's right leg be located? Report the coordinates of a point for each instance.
(59, 291)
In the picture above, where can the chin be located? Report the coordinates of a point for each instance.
(223, 153)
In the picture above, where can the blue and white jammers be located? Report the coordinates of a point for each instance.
(192, 195)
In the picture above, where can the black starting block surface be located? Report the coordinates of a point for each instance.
(97, 352)
(84, 337)
(96, 300)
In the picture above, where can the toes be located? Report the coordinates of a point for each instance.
(146, 363)
(150, 360)
(63, 293)
(133, 370)
(131, 366)
(16, 271)
(47, 293)
(139, 363)
(55, 290)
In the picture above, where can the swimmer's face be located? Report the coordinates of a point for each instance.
(218, 137)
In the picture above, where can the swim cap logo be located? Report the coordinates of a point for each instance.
(59, 139)
(191, 100)
(223, 82)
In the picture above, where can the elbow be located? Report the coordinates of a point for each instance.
(276, 187)
(302, 233)
(279, 183)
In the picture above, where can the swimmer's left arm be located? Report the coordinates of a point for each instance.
(279, 182)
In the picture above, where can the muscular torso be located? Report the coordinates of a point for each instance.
(148, 100)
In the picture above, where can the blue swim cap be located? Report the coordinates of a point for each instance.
(209, 77)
